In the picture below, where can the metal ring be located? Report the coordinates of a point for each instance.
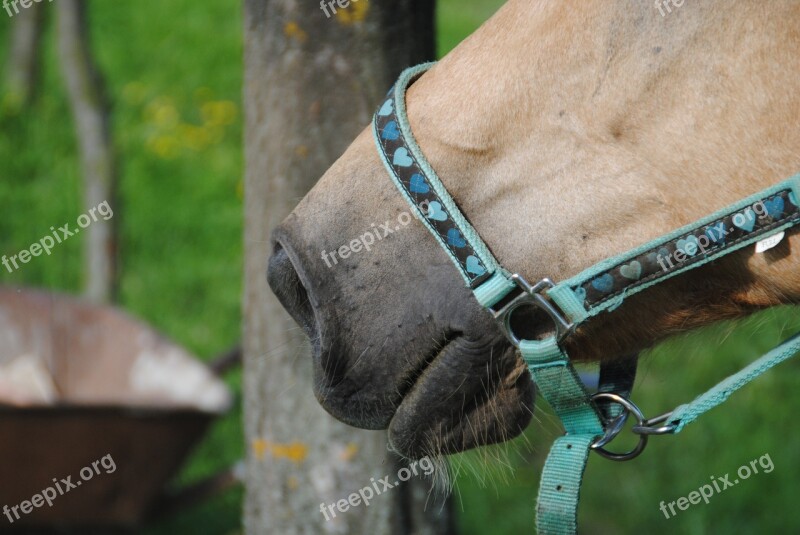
(648, 429)
(505, 319)
(644, 431)
(531, 296)
(614, 428)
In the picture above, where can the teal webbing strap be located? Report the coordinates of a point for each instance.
(686, 414)
(419, 184)
(607, 284)
(560, 485)
(494, 289)
(560, 386)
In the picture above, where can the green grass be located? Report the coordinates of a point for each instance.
(174, 75)
(173, 71)
(458, 19)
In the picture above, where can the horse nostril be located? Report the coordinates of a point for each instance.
(287, 285)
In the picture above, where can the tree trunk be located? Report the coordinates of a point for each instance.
(91, 113)
(311, 85)
(23, 61)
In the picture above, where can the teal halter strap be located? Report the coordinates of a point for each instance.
(590, 422)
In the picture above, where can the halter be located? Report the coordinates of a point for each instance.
(590, 421)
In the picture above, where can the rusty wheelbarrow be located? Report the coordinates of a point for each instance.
(84, 388)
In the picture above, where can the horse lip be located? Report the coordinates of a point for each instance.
(411, 380)
(408, 427)
(354, 417)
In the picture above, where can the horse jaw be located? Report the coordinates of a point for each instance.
(615, 127)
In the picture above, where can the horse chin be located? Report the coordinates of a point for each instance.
(462, 401)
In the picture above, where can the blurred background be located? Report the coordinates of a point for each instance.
(174, 81)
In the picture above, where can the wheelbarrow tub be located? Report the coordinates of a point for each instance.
(147, 447)
(94, 383)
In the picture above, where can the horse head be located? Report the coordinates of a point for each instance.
(567, 133)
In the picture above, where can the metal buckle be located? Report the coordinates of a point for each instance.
(531, 295)
(614, 427)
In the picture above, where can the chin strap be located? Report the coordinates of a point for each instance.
(590, 421)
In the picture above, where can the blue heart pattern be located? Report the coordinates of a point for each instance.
(417, 184)
(580, 293)
(604, 283)
(437, 213)
(688, 246)
(745, 220)
(631, 271)
(774, 207)
(405, 167)
(455, 238)
(387, 108)
(662, 259)
(402, 158)
(390, 132)
(778, 207)
(474, 266)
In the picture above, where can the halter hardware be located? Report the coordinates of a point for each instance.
(590, 421)
(531, 295)
(615, 426)
(644, 427)
(648, 428)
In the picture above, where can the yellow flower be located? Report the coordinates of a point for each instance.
(166, 147)
(218, 112)
(355, 12)
(194, 137)
(166, 117)
(293, 30)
